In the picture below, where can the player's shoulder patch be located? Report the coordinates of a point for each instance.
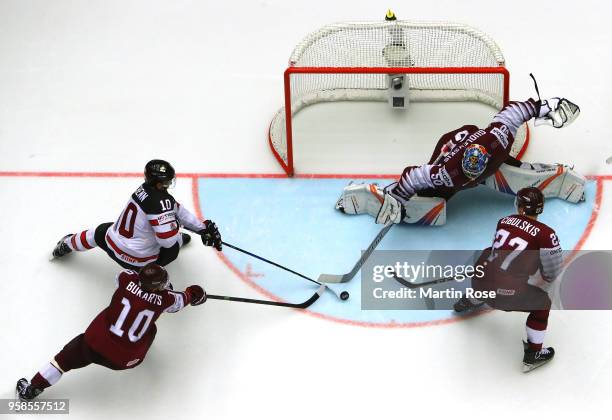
(152, 201)
(442, 177)
(502, 133)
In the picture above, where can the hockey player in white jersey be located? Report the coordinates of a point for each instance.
(148, 228)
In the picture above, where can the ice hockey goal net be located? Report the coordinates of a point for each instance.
(436, 61)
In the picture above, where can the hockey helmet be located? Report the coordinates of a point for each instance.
(531, 200)
(158, 170)
(153, 277)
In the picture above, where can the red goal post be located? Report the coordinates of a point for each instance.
(339, 47)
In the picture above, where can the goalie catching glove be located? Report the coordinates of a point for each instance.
(210, 235)
(562, 112)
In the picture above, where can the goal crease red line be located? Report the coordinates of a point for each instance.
(391, 324)
(64, 174)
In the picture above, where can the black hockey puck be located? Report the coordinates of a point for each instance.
(344, 295)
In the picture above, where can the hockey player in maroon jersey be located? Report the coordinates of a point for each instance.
(147, 229)
(522, 247)
(120, 336)
(465, 158)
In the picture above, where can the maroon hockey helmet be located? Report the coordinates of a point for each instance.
(153, 277)
(531, 200)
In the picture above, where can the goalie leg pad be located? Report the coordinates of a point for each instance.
(368, 199)
(360, 199)
(557, 180)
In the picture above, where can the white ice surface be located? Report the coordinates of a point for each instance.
(106, 85)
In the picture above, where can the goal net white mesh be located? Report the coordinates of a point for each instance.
(351, 62)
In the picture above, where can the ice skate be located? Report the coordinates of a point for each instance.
(534, 359)
(25, 391)
(61, 249)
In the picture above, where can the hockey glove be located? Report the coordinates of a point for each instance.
(210, 235)
(195, 295)
(562, 112)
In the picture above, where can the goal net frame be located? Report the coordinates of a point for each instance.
(280, 134)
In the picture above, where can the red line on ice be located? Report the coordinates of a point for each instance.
(196, 202)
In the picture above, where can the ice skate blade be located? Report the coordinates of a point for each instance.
(52, 257)
(529, 367)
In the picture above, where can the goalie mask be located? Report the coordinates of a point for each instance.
(474, 161)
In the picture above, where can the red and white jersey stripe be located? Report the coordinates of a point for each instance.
(82, 241)
(150, 220)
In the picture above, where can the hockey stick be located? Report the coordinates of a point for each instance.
(244, 251)
(411, 285)
(343, 278)
(343, 295)
(302, 305)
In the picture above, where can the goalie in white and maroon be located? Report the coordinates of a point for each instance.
(120, 336)
(147, 229)
(465, 158)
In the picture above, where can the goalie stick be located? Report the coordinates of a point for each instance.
(429, 302)
(343, 278)
(411, 285)
(302, 305)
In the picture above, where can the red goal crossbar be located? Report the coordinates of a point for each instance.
(288, 165)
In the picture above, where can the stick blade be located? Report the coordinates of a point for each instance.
(331, 278)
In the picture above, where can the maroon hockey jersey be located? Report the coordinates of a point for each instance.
(443, 175)
(522, 246)
(123, 332)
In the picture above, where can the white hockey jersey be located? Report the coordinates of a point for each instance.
(150, 220)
